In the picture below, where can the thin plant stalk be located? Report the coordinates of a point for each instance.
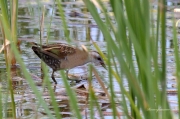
(72, 98)
(92, 96)
(14, 13)
(91, 104)
(176, 55)
(163, 46)
(51, 92)
(111, 84)
(63, 20)
(42, 25)
(41, 36)
(24, 70)
(10, 86)
(49, 27)
(105, 90)
(7, 49)
(1, 108)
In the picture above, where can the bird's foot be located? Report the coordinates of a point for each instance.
(74, 79)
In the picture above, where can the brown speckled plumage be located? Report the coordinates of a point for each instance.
(61, 56)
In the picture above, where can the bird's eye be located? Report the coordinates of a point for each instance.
(99, 58)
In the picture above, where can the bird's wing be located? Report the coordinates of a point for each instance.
(60, 50)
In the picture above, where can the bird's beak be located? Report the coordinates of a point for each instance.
(103, 64)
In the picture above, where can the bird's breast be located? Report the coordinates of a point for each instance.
(72, 61)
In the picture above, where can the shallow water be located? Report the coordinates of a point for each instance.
(80, 26)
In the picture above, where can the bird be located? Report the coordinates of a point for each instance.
(61, 56)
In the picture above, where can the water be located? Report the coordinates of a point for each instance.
(80, 27)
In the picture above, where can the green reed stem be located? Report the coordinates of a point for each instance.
(42, 25)
(91, 103)
(10, 86)
(111, 84)
(49, 27)
(4, 10)
(176, 55)
(1, 108)
(93, 99)
(51, 92)
(14, 14)
(63, 20)
(72, 97)
(165, 104)
(24, 70)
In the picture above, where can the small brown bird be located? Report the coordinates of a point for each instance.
(61, 56)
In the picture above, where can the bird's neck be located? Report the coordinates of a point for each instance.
(91, 57)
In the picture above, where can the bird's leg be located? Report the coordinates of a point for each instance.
(67, 71)
(52, 76)
(76, 80)
(54, 88)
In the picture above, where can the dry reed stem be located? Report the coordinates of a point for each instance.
(103, 87)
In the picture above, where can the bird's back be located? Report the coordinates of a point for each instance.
(61, 56)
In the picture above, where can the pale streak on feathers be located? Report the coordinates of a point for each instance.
(69, 57)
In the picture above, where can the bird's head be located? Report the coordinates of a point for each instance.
(34, 46)
(97, 59)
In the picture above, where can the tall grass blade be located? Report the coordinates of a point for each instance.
(10, 87)
(14, 14)
(1, 108)
(51, 92)
(24, 70)
(72, 98)
(93, 101)
(165, 104)
(176, 55)
(63, 20)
